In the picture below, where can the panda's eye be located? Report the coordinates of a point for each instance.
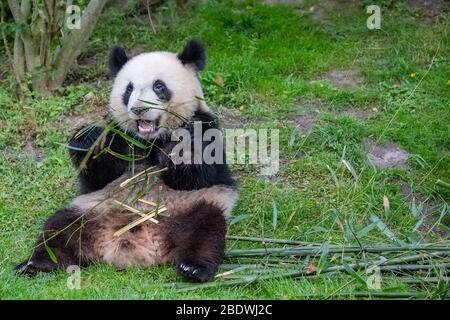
(126, 95)
(161, 90)
(158, 86)
(129, 88)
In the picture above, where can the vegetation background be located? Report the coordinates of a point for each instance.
(364, 132)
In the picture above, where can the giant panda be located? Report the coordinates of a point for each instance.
(199, 197)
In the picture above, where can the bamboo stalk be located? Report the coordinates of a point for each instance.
(374, 294)
(388, 265)
(134, 210)
(146, 171)
(244, 280)
(150, 217)
(269, 240)
(154, 204)
(423, 280)
(414, 267)
(302, 251)
(291, 274)
(394, 295)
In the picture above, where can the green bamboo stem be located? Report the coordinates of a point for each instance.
(415, 257)
(247, 279)
(270, 240)
(302, 251)
(423, 280)
(258, 260)
(414, 267)
(231, 266)
(374, 294)
(244, 280)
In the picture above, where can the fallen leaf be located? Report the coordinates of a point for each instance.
(219, 80)
(292, 215)
(312, 268)
(340, 224)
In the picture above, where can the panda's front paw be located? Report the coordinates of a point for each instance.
(196, 270)
(33, 266)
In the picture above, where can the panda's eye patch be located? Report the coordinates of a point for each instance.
(129, 88)
(126, 95)
(161, 90)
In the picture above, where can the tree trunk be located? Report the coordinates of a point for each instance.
(43, 50)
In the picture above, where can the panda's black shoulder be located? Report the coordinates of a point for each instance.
(197, 176)
(208, 120)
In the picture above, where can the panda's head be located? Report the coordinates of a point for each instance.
(154, 92)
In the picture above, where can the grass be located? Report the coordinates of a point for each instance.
(269, 57)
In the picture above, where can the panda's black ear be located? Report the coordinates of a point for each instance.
(193, 53)
(117, 58)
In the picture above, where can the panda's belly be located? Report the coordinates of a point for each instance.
(144, 244)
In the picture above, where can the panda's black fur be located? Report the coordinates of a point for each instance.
(108, 168)
(199, 197)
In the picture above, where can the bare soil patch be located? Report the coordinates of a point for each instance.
(309, 110)
(430, 10)
(231, 119)
(320, 12)
(387, 155)
(93, 110)
(341, 78)
(30, 150)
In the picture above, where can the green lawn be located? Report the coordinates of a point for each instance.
(283, 67)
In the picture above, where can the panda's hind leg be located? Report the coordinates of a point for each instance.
(197, 241)
(57, 246)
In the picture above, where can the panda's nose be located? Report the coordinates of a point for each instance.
(139, 110)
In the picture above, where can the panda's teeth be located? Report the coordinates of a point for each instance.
(146, 126)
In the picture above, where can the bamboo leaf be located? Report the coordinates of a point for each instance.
(51, 254)
(72, 147)
(387, 207)
(350, 168)
(324, 249)
(333, 176)
(364, 231)
(443, 184)
(444, 228)
(292, 138)
(275, 214)
(416, 210)
(353, 273)
(130, 139)
(239, 218)
(387, 232)
(418, 224)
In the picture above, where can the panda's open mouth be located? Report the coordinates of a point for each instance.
(146, 126)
